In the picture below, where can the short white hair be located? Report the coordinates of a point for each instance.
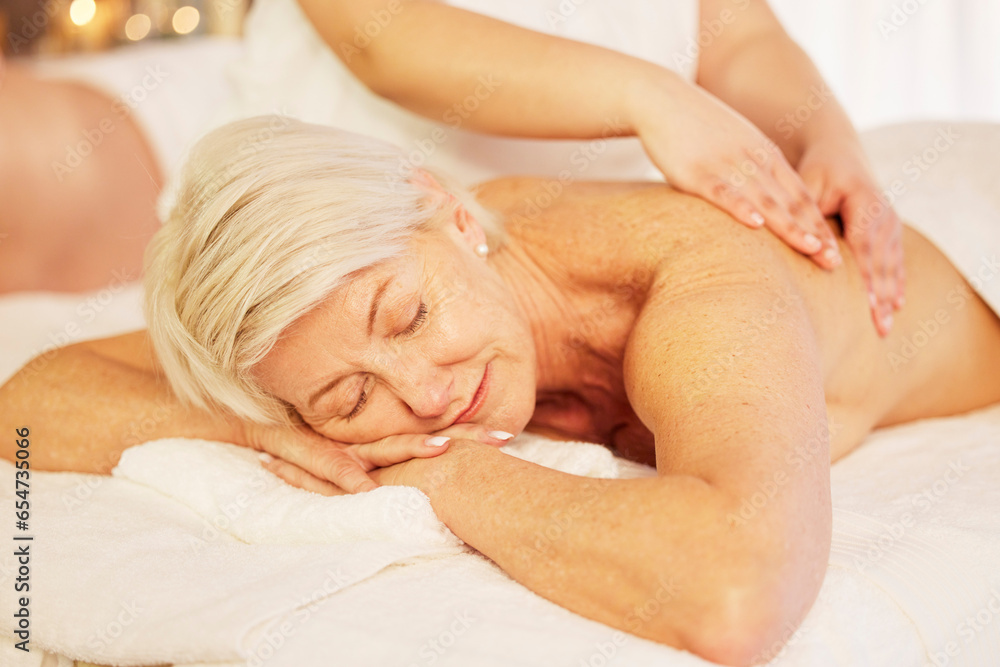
(272, 215)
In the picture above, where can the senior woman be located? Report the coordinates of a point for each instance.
(306, 299)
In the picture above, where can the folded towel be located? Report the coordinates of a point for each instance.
(192, 558)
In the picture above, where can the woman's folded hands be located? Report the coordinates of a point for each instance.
(310, 461)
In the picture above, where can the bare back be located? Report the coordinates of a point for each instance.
(622, 243)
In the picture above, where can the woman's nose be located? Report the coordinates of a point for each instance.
(431, 401)
(427, 389)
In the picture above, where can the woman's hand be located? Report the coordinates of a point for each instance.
(312, 462)
(705, 148)
(838, 177)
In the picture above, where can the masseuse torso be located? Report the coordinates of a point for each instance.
(624, 244)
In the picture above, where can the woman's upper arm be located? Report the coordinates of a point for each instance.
(723, 366)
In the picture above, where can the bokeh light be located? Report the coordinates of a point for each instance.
(82, 11)
(185, 20)
(137, 27)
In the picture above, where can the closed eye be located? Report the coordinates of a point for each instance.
(417, 321)
(414, 325)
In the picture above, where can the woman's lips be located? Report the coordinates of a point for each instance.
(477, 400)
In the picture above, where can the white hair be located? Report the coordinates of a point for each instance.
(272, 215)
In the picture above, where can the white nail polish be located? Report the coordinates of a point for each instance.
(501, 435)
(265, 457)
(757, 219)
(812, 241)
(437, 441)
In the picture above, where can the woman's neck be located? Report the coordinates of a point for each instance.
(551, 306)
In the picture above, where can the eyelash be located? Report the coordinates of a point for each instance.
(417, 321)
(414, 325)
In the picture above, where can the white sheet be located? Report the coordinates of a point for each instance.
(900, 590)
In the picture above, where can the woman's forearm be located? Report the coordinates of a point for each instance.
(655, 557)
(472, 71)
(86, 403)
(769, 79)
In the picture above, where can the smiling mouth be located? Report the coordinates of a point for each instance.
(477, 400)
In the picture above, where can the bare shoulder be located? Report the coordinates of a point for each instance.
(131, 349)
(616, 226)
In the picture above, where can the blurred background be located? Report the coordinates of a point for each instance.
(58, 27)
(898, 60)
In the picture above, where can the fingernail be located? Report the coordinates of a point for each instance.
(833, 256)
(900, 301)
(812, 242)
(265, 457)
(437, 441)
(872, 301)
(887, 322)
(501, 435)
(757, 219)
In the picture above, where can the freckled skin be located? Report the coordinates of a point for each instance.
(552, 313)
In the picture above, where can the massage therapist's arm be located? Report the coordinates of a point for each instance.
(430, 57)
(757, 69)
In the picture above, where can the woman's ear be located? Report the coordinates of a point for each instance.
(465, 223)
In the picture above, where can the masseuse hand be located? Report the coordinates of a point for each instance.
(704, 147)
(312, 462)
(839, 178)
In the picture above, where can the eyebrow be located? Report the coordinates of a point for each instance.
(372, 312)
(375, 301)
